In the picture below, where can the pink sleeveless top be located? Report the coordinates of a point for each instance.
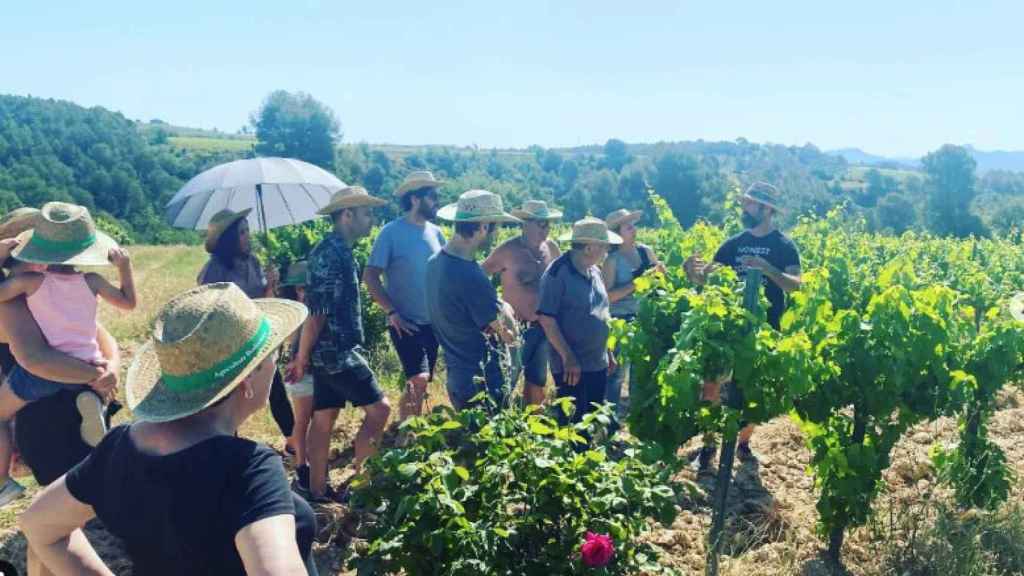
(65, 308)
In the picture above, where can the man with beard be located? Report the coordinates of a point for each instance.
(463, 305)
(400, 254)
(521, 261)
(761, 246)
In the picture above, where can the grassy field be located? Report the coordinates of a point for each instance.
(859, 173)
(201, 144)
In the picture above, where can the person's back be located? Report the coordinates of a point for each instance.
(65, 307)
(179, 513)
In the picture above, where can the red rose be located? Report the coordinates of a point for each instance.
(597, 550)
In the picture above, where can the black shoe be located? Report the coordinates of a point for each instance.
(744, 453)
(112, 409)
(301, 483)
(703, 456)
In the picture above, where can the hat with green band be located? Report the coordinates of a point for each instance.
(206, 341)
(17, 221)
(64, 234)
(297, 274)
(477, 206)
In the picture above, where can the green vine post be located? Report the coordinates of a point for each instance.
(751, 296)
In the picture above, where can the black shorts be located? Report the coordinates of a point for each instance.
(48, 434)
(356, 386)
(416, 352)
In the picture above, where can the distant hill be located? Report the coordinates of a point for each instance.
(987, 160)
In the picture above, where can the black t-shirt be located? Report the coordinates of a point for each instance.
(48, 433)
(776, 248)
(179, 513)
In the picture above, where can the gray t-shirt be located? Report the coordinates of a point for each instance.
(580, 306)
(461, 302)
(401, 250)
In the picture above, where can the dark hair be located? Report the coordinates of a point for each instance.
(467, 229)
(406, 199)
(9, 263)
(289, 292)
(228, 247)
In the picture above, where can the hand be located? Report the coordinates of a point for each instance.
(757, 263)
(272, 276)
(7, 245)
(106, 384)
(572, 369)
(401, 326)
(119, 257)
(697, 269)
(612, 363)
(295, 370)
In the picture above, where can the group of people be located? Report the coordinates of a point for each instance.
(185, 493)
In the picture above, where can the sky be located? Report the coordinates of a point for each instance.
(894, 78)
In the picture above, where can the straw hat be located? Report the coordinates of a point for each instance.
(297, 274)
(350, 197)
(621, 216)
(1016, 306)
(206, 340)
(476, 206)
(417, 180)
(64, 234)
(536, 210)
(591, 230)
(220, 222)
(763, 193)
(17, 221)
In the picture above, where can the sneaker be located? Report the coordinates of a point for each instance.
(94, 426)
(10, 491)
(744, 453)
(703, 456)
(300, 485)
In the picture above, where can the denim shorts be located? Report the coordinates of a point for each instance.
(464, 382)
(30, 387)
(300, 389)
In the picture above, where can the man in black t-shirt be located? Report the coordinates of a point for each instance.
(761, 246)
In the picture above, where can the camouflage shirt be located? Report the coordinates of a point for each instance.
(333, 291)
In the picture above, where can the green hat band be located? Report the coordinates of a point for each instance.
(225, 369)
(61, 246)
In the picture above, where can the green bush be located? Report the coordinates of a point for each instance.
(510, 493)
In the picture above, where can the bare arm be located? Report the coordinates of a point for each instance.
(371, 277)
(494, 263)
(23, 284)
(52, 525)
(20, 331)
(268, 547)
(554, 335)
(309, 334)
(788, 280)
(608, 275)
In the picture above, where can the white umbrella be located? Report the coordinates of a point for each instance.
(281, 191)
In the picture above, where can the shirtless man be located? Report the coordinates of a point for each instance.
(521, 261)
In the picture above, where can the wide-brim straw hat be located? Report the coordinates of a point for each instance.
(297, 274)
(591, 230)
(350, 197)
(219, 223)
(416, 180)
(536, 210)
(64, 233)
(17, 221)
(1016, 306)
(621, 216)
(477, 206)
(764, 193)
(205, 342)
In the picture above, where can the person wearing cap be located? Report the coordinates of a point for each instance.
(624, 264)
(521, 261)
(332, 340)
(293, 287)
(760, 246)
(184, 493)
(63, 303)
(399, 254)
(463, 304)
(573, 310)
(231, 260)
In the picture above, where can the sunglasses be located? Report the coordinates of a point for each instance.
(540, 223)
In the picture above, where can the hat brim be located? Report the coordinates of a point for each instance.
(613, 239)
(95, 255)
(633, 216)
(151, 401)
(352, 202)
(771, 205)
(18, 224)
(449, 212)
(1016, 306)
(410, 185)
(293, 282)
(212, 236)
(524, 215)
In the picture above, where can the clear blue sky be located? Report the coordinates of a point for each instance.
(897, 78)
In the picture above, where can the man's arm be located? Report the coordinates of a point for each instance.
(495, 263)
(310, 333)
(789, 279)
(52, 525)
(557, 340)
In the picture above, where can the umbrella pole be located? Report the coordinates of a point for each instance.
(261, 213)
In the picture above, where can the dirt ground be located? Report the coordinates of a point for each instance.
(771, 505)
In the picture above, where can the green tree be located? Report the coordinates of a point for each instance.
(615, 154)
(296, 126)
(951, 187)
(894, 212)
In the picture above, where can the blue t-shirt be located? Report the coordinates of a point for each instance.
(462, 303)
(401, 250)
(579, 304)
